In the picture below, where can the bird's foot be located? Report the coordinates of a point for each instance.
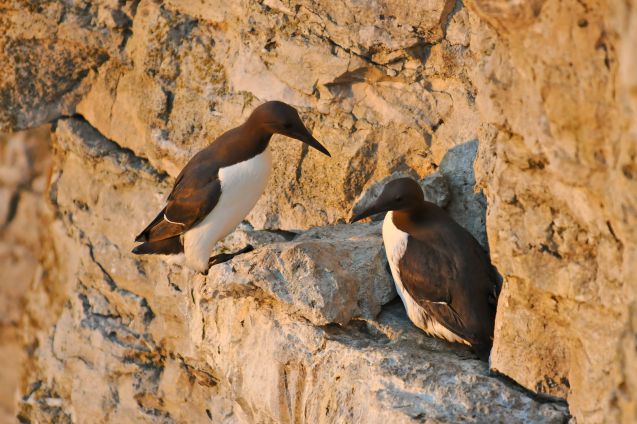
(225, 257)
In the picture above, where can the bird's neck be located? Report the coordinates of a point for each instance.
(406, 218)
(259, 137)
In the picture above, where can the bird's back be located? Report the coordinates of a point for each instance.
(444, 264)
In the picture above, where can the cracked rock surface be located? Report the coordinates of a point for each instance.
(518, 117)
(295, 331)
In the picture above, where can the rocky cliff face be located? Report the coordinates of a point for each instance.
(24, 164)
(558, 172)
(532, 104)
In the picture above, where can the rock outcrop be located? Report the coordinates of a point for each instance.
(293, 332)
(557, 160)
(531, 103)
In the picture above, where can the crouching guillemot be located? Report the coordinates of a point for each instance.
(443, 276)
(219, 186)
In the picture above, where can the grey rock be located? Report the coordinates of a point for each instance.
(436, 189)
(466, 206)
(327, 275)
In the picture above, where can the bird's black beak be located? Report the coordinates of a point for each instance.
(306, 137)
(372, 210)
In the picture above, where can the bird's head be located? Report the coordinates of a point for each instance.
(280, 118)
(400, 194)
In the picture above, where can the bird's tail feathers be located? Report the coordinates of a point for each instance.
(169, 246)
(159, 229)
(143, 236)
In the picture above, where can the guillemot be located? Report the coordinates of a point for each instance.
(219, 186)
(443, 276)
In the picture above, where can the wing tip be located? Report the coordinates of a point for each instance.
(169, 246)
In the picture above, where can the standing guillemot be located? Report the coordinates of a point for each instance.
(219, 186)
(443, 276)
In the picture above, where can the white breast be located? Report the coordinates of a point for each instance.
(395, 242)
(241, 186)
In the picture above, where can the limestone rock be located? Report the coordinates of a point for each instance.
(327, 275)
(531, 103)
(436, 189)
(562, 200)
(196, 71)
(467, 206)
(49, 50)
(24, 163)
(263, 338)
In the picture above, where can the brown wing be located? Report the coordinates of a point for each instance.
(430, 276)
(447, 272)
(196, 192)
(197, 188)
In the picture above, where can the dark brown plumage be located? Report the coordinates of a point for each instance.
(441, 267)
(198, 188)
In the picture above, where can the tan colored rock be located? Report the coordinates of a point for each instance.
(24, 163)
(195, 71)
(138, 340)
(625, 16)
(561, 213)
(392, 88)
(49, 52)
(319, 274)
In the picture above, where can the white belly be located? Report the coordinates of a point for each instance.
(241, 186)
(395, 242)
